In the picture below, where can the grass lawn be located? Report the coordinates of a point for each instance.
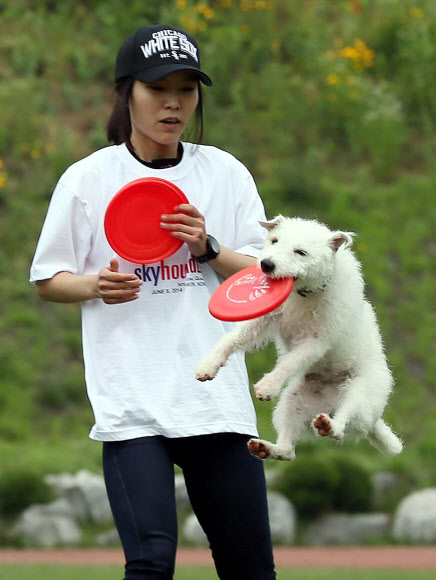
(56, 572)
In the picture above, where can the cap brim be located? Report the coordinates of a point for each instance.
(157, 72)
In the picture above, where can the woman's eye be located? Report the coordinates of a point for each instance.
(300, 252)
(274, 241)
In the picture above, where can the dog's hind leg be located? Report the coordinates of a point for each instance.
(289, 421)
(353, 409)
(291, 366)
(384, 439)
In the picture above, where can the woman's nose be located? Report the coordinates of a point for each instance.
(172, 102)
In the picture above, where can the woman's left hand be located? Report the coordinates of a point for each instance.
(189, 226)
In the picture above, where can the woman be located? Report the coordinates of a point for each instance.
(145, 327)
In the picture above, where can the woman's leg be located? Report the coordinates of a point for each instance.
(226, 485)
(139, 476)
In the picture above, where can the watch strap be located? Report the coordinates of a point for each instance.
(212, 251)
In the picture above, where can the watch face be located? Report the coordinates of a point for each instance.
(214, 245)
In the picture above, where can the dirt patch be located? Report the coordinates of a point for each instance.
(394, 557)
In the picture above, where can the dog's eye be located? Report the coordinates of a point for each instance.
(300, 252)
(274, 241)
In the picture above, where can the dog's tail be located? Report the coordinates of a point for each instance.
(384, 439)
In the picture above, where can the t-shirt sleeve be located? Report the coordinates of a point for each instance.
(65, 238)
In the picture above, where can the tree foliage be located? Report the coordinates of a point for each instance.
(331, 105)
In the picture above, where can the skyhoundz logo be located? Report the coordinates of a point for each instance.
(156, 273)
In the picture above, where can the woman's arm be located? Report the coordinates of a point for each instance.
(229, 262)
(109, 285)
(190, 227)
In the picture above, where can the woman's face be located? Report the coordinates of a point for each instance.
(160, 112)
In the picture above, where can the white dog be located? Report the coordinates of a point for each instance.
(330, 352)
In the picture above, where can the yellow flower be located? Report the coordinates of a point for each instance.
(181, 3)
(188, 23)
(276, 45)
(359, 54)
(333, 79)
(205, 10)
(3, 178)
(349, 52)
(35, 154)
(416, 12)
(262, 5)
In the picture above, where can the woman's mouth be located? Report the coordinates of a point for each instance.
(170, 121)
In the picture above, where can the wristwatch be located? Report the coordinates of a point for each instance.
(212, 251)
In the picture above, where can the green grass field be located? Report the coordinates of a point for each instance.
(56, 572)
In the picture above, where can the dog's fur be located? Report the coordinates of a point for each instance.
(330, 352)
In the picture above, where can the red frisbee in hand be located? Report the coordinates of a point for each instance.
(248, 294)
(133, 217)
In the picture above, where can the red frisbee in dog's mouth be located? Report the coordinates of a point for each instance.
(133, 217)
(248, 294)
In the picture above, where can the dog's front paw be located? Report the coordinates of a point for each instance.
(207, 369)
(267, 450)
(259, 448)
(325, 427)
(266, 389)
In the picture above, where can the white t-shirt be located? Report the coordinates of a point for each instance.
(140, 357)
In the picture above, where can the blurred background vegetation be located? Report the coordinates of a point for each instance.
(331, 105)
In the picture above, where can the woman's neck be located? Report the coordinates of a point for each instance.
(147, 153)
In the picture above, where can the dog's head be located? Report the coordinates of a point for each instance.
(302, 249)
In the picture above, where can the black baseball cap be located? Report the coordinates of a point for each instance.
(158, 50)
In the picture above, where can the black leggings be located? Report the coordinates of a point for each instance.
(226, 486)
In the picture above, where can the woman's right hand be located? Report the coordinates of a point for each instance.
(114, 287)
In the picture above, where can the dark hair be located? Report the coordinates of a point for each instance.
(119, 127)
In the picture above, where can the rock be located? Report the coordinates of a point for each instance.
(45, 527)
(282, 522)
(61, 507)
(193, 532)
(86, 492)
(347, 529)
(109, 538)
(384, 483)
(282, 517)
(415, 517)
(270, 477)
(182, 498)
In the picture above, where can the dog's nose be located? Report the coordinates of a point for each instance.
(267, 266)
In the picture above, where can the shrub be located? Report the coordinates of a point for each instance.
(20, 488)
(319, 484)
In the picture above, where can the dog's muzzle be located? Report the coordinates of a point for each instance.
(267, 266)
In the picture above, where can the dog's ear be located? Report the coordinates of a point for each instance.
(339, 239)
(271, 224)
